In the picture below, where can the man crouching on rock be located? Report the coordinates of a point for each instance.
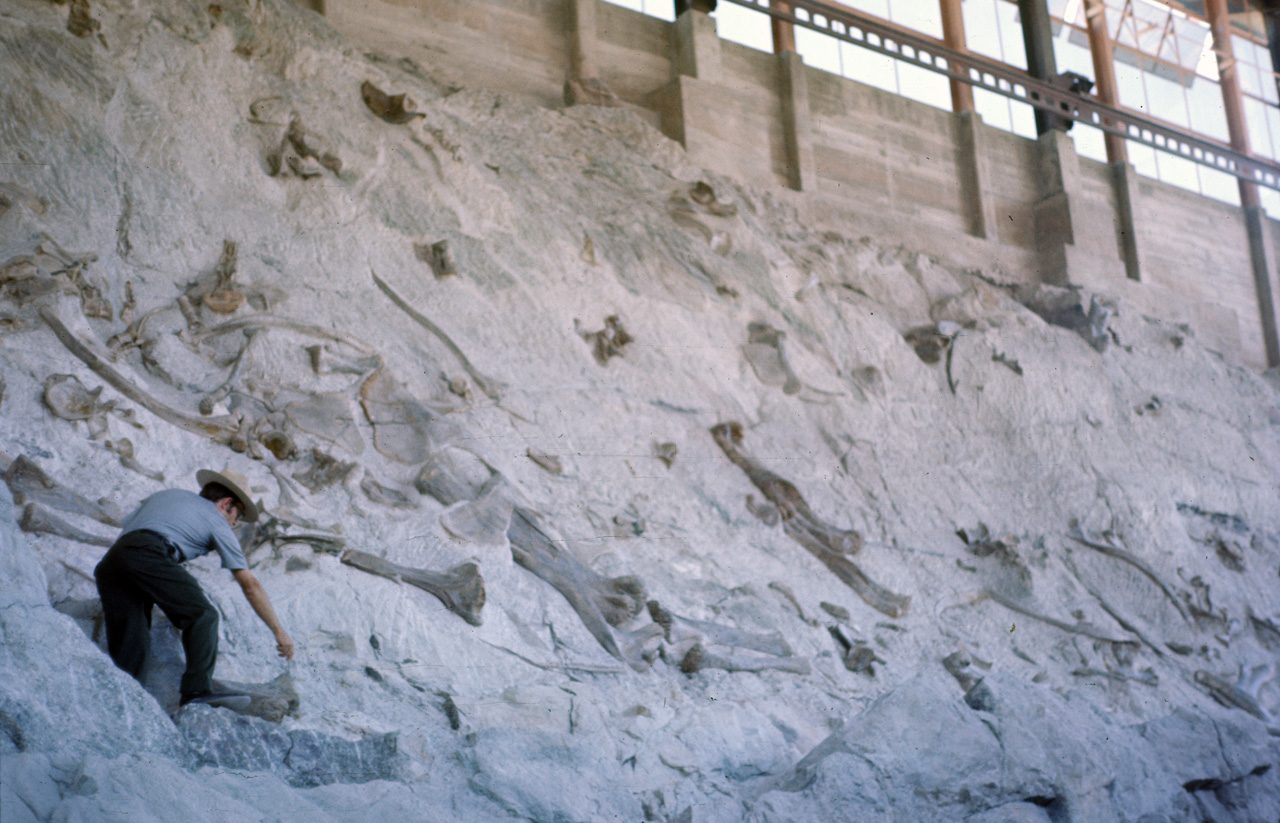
(144, 568)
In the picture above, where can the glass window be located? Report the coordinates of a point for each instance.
(869, 67)
(1207, 110)
(1089, 142)
(924, 85)
(924, 16)
(981, 30)
(1219, 185)
(818, 50)
(993, 108)
(750, 28)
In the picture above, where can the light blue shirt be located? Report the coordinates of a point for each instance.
(191, 523)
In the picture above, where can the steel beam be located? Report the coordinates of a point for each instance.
(953, 37)
(883, 37)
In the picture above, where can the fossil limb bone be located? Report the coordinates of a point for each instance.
(460, 589)
(124, 448)
(547, 462)
(1125, 624)
(1081, 628)
(329, 416)
(220, 429)
(38, 520)
(1237, 695)
(678, 629)
(698, 658)
(492, 388)
(393, 108)
(786, 591)
(1077, 534)
(600, 602)
(385, 495)
(28, 482)
(827, 543)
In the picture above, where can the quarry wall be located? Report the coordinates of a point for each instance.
(947, 184)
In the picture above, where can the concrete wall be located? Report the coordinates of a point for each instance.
(885, 165)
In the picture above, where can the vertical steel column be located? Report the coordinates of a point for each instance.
(784, 32)
(1104, 72)
(953, 36)
(1229, 79)
(1255, 218)
(1037, 36)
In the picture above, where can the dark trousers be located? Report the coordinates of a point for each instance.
(139, 572)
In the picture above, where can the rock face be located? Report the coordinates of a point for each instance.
(212, 254)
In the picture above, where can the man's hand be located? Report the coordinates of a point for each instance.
(284, 646)
(257, 597)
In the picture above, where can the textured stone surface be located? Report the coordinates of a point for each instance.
(151, 150)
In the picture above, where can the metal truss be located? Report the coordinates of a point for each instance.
(878, 35)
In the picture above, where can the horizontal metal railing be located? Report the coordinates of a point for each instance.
(881, 36)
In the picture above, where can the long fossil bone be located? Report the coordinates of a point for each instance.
(220, 429)
(827, 543)
(600, 602)
(698, 658)
(1077, 534)
(460, 588)
(28, 482)
(1078, 628)
(39, 520)
(677, 629)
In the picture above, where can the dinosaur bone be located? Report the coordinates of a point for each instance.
(1077, 534)
(492, 388)
(385, 495)
(220, 429)
(698, 658)
(243, 360)
(600, 602)
(69, 399)
(765, 352)
(677, 629)
(824, 542)
(27, 482)
(1126, 624)
(393, 108)
(608, 342)
(857, 655)
(1082, 628)
(460, 588)
(38, 520)
(1240, 695)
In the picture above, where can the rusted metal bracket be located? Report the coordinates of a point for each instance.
(881, 36)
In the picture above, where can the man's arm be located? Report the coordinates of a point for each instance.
(257, 597)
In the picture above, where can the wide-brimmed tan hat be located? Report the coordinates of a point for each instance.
(236, 483)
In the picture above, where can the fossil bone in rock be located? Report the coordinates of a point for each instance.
(68, 399)
(385, 495)
(698, 658)
(857, 656)
(589, 91)
(958, 664)
(600, 602)
(1079, 627)
(544, 461)
(27, 481)
(38, 520)
(243, 360)
(124, 448)
(931, 342)
(666, 452)
(608, 342)
(485, 519)
(270, 701)
(393, 108)
(1237, 695)
(403, 429)
(324, 361)
(491, 388)
(438, 256)
(220, 429)
(1105, 546)
(460, 589)
(790, 595)
(705, 196)
(328, 416)
(764, 351)
(679, 629)
(324, 472)
(452, 475)
(827, 543)
(223, 298)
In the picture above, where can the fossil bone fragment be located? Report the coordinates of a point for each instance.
(393, 108)
(28, 482)
(786, 591)
(666, 452)
(958, 665)
(38, 520)
(608, 342)
(1111, 550)
(546, 462)
(491, 388)
(223, 298)
(385, 495)
(1238, 695)
(1080, 627)
(857, 656)
(1146, 677)
(698, 658)
(931, 342)
(460, 588)
(124, 448)
(600, 602)
(403, 429)
(68, 399)
(678, 630)
(324, 472)
(705, 196)
(220, 429)
(260, 321)
(589, 91)
(1124, 622)
(328, 416)
(438, 256)
(764, 351)
(324, 361)
(485, 519)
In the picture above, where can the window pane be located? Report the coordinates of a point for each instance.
(1090, 142)
(981, 32)
(924, 85)
(993, 108)
(742, 25)
(1024, 119)
(818, 50)
(1219, 185)
(1208, 113)
(868, 67)
(1177, 171)
(663, 9)
(924, 16)
(1143, 158)
(1133, 94)
(1015, 54)
(1166, 100)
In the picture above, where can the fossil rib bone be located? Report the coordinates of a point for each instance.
(460, 589)
(220, 429)
(1079, 628)
(678, 629)
(698, 658)
(492, 388)
(243, 360)
(1075, 533)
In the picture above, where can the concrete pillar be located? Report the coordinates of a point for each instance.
(697, 46)
(1261, 251)
(584, 59)
(1124, 179)
(1104, 72)
(793, 87)
(975, 174)
(784, 32)
(953, 36)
